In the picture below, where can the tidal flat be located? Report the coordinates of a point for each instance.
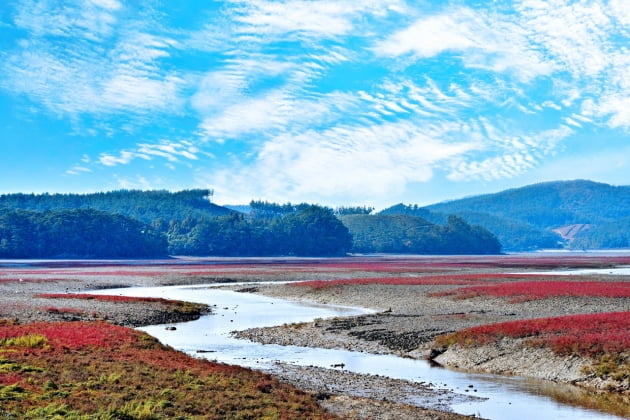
(413, 302)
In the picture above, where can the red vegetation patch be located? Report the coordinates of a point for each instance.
(590, 335)
(74, 335)
(533, 290)
(446, 279)
(9, 378)
(117, 273)
(104, 298)
(99, 370)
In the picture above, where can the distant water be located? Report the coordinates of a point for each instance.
(614, 271)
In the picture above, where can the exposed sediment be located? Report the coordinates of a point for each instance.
(408, 322)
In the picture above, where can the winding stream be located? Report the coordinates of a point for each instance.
(500, 397)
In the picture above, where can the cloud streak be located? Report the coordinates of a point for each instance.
(172, 152)
(77, 59)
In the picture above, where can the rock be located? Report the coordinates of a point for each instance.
(436, 352)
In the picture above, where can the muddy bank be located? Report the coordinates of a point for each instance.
(355, 396)
(407, 321)
(20, 301)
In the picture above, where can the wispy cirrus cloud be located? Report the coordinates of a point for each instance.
(486, 41)
(319, 19)
(77, 58)
(171, 151)
(514, 156)
(87, 19)
(351, 161)
(77, 170)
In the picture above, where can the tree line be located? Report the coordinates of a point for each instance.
(406, 234)
(308, 231)
(79, 233)
(88, 233)
(138, 224)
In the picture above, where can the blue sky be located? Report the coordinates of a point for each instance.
(336, 102)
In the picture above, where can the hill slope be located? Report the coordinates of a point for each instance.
(411, 234)
(550, 204)
(536, 210)
(145, 206)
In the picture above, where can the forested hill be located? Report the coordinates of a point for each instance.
(149, 207)
(405, 234)
(537, 216)
(566, 214)
(80, 233)
(549, 205)
(137, 224)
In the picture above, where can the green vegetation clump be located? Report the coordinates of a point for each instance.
(414, 235)
(308, 230)
(82, 233)
(136, 224)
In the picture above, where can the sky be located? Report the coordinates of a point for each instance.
(335, 102)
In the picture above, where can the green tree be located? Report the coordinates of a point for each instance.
(316, 231)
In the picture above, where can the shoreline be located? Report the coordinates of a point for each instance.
(409, 332)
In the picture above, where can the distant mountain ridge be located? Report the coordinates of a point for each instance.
(577, 214)
(544, 215)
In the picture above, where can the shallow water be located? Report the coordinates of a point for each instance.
(504, 397)
(612, 271)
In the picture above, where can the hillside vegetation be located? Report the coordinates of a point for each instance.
(82, 233)
(415, 235)
(149, 207)
(524, 218)
(568, 214)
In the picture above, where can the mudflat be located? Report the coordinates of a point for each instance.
(415, 301)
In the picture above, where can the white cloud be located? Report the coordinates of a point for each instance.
(617, 108)
(77, 57)
(322, 18)
(487, 41)
(272, 111)
(620, 11)
(122, 159)
(573, 33)
(77, 170)
(128, 91)
(108, 4)
(137, 182)
(219, 89)
(83, 19)
(428, 37)
(513, 156)
(171, 151)
(361, 162)
(85, 81)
